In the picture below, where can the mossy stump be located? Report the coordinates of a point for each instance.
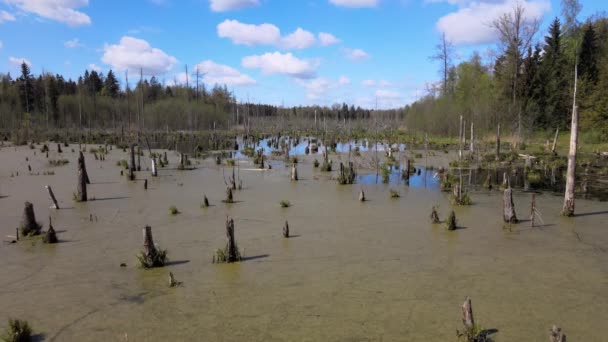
(151, 256)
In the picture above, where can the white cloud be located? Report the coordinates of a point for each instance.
(470, 25)
(215, 73)
(368, 83)
(327, 39)
(17, 61)
(133, 54)
(231, 5)
(95, 67)
(72, 43)
(343, 80)
(60, 10)
(269, 34)
(299, 39)
(356, 54)
(387, 94)
(5, 16)
(355, 3)
(279, 63)
(247, 34)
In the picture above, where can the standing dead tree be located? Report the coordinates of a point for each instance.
(286, 230)
(556, 335)
(51, 236)
(81, 162)
(82, 181)
(231, 252)
(29, 226)
(132, 163)
(508, 206)
(151, 256)
(52, 195)
(568, 209)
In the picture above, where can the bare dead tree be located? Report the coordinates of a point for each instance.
(444, 51)
(568, 209)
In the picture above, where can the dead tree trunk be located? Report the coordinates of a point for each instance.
(294, 173)
(498, 143)
(154, 171)
(568, 209)
(229, 198)
(232, 254)
(59, 148)
(138, 157)
(554, 141)
(467, 315)
(132, 164)
(460, 135)
(82, 181)
(52, 195)
(361, 196)
(556, 335)
(286, 230)
(29, 226)
(145, 184)
(50, 236)
(532, 210)
(81, 163)
(472, 142)
(508, 206)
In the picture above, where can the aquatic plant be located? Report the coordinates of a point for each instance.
(230, 162)
(173, 210)
(434, 215)
(385, 171)
(58, 162)
(17, 331)
(157, 259)
(123, 163)
(285, 204)
(315, 163)
(394, 193)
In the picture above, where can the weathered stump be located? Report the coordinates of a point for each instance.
(508, 206)
(286, 230)
(151, 256)
(229, 198)
(154, 171)
(51, 235)
(138, 157)
(82, 183)
(132, 163)
(82, 165)
(434, 216)
(205, 202)
(451, 223)
(59, 148)
(532, 209)
(52, 195)
(232, 253)
(29, 226)
(467, 315)
(149, 247)
(294, 173)
(145, 184)
(361, 196)
(556, 335)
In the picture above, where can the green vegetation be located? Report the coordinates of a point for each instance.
(285, 204)
(17, 331)
(58, 162)
(157, 259)
(173, 210)
(394, 193)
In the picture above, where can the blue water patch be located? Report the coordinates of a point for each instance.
(426, 178)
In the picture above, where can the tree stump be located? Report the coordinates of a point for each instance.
(556, 335)
(82, 183)
(82, 165)
(294, 173)
(51, 235)
(205, 201)
(59, 148)
(52, 195)
(434, 216)
(132, 163)
(361, 196)
(145, 184)
(286, 230)
(29, 226)
(508, 207)
(467, 315)
(151, 256)
(532, 210)
(229, 198)
(149, 247)
(451, 223)
(154, 171)
(232, 253)
(138, 157)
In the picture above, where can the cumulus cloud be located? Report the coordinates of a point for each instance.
(343, 80)
(387, 94)
(269, 34)
(215, 73)
(374, 83)
(299, 39)
(135, 54)
(247, 34)
(17, 61)
(355, 3)
(59, 10)
(470, 24)
(5, 16)
(356, 54)
(231, 5)
(279, 63)
(95, 67)
(319, 87)
(72, 43)
(327, 39)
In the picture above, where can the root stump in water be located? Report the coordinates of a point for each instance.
(205, 201)
(132, 164)
(434, 215)
(52, 195)
(556, 335)
(361, 196)
(29, 226)
(151, 256)
(82, 182)
(229, 198)
(82, 165)
(286, 230)
(145, 184)
(294, 173)
(50, 236)
(508, 207)
(451, 223)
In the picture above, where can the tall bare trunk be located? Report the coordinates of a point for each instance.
(568, 209)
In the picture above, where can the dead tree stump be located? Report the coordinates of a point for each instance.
(29, 226)
(52, 195)
(138, 157)
(229, 198)
(154, 171)
(451, 223)
(361, 196)
(82, 165)
(205, 201)
(532, 210)
(434, 216)
(556, 335)
(50, 236)
(145, 184)
(59, 148)
(151, 256)
(82, 183)
(132, 164)
(286, 230)
(508, 207)
(467, 315)
(294, 173)
(232, 253)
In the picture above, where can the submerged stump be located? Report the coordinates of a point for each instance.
(29, 226)
(286, 230)
(556, 335)
(294, 173)
(151, 256)
(361, 196)
(82, 165)
(508, 207)
(451, 223)
(82, 184)
(434, 215)
(132, 163)
(52, 195)
(50, 236)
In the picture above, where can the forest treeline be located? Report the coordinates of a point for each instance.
(526, 86)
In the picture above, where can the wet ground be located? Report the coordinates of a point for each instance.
(373, 271)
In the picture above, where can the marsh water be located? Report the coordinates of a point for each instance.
(371, 271)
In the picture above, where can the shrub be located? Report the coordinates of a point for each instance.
(17, 331)
(285, 204)
(173, 210)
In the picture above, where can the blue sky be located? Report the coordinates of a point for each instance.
(289, 52)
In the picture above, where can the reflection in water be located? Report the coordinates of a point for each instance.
(424, 179)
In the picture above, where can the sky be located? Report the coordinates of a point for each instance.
(368, 53)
